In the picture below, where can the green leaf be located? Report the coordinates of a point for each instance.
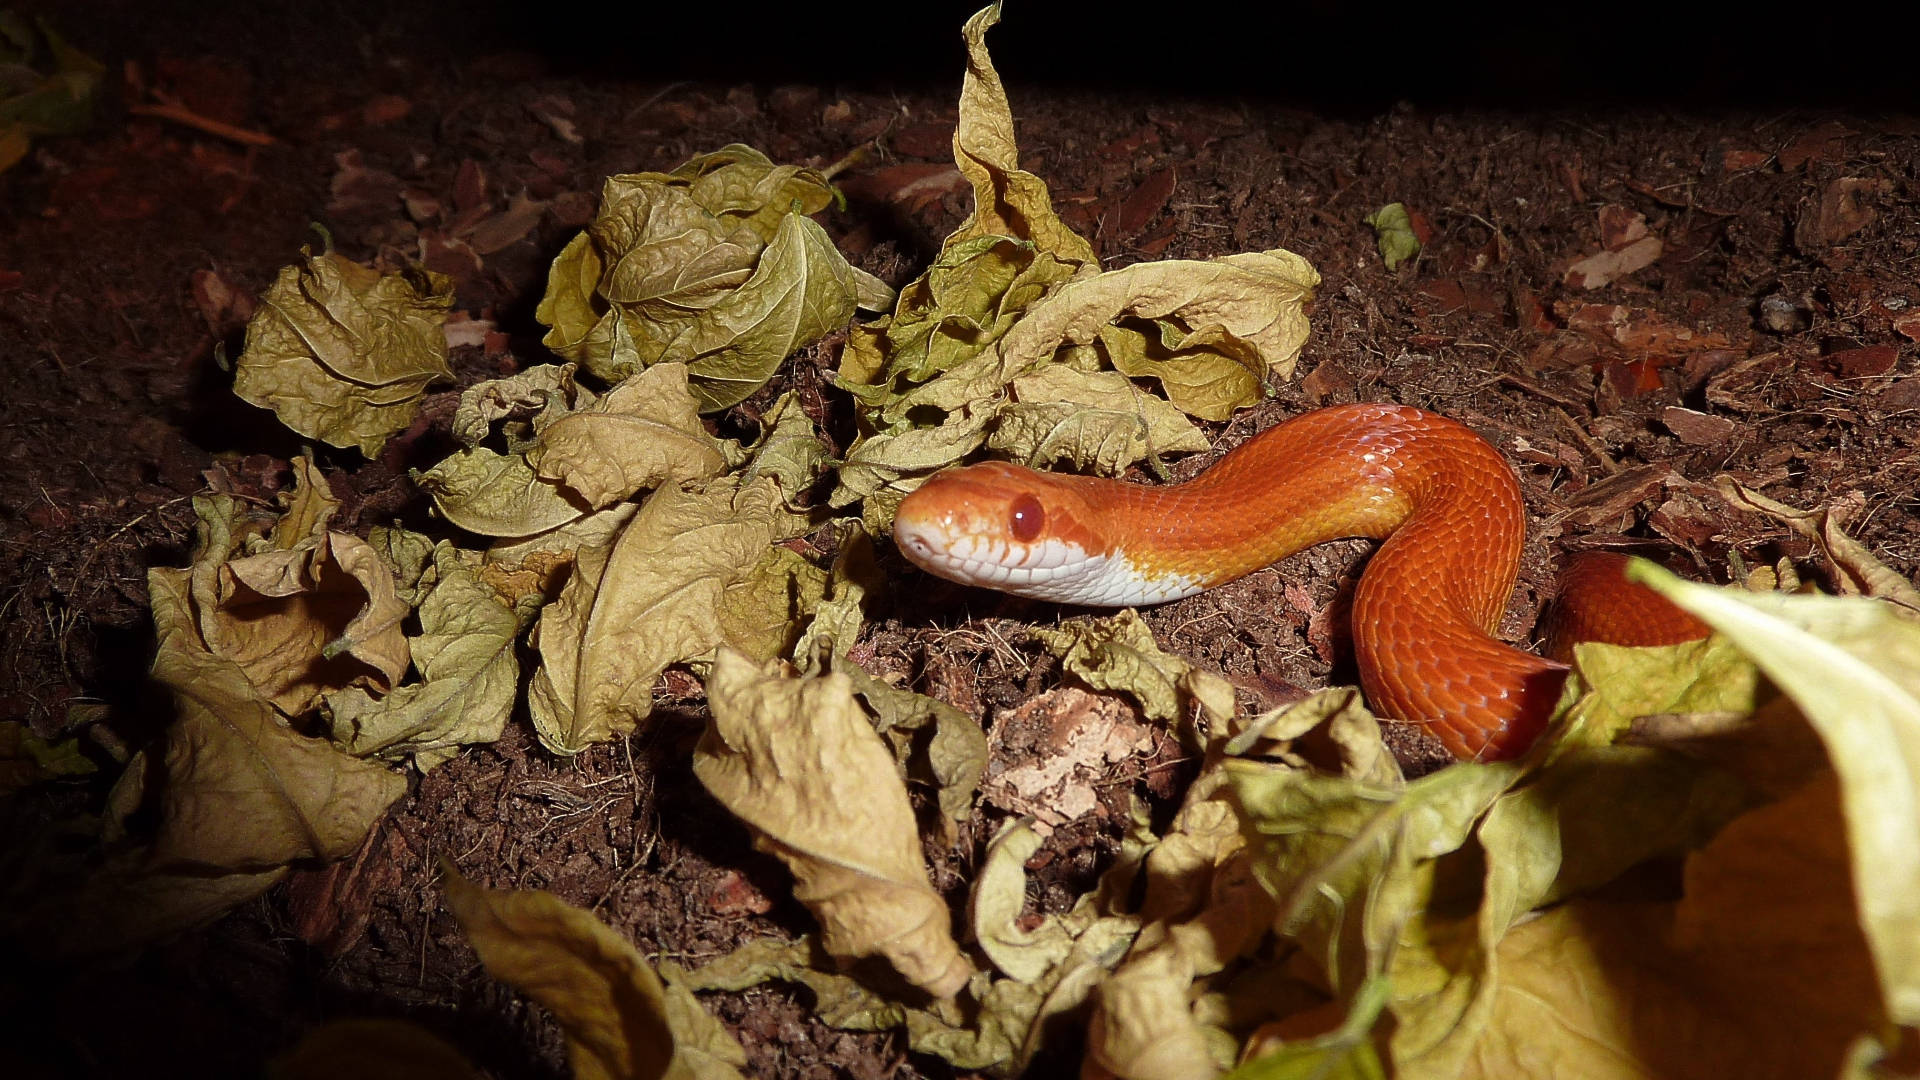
(57, 86)
(1393, 227)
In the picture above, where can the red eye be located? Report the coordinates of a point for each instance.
(1026, 519)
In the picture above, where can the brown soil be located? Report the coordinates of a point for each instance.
(1788, 239)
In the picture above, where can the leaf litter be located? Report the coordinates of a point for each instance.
(1308, 910)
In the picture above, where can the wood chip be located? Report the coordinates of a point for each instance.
(1697, 428)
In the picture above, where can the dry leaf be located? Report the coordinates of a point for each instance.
(1858, 571)
(342, 353)
(469, 675)
(1007, 200)
(621, 1021)
(244, 791)
(715, 265)
(641, 434)
(799, 762)
(654, 598)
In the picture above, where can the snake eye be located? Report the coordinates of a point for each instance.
(1026, 518)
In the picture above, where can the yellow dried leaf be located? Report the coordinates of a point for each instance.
(801, 290)
(309, 612)
(1858, 571)
(883, 469)
(1760, 971)
(342, 353)
(545, 552)
(1117, 652)
(999, 896)
(1614, 685)
(743, 187)
(244, 791)
(1007, 200)
(469, 675)
(644, 433)
(1852, 665)
(621, 1021)
(543, 393)
(655, 598)
(957, 309)
(1098, 422)
(300, 623)
(494, 494)
(1143, 1028)
(789, 449)
(714, 265)
(797, 760)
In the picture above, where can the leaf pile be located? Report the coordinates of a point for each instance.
(714, 265)
(1710, 867)
(1014, 340)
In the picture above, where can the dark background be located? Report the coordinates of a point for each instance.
(1324, 54)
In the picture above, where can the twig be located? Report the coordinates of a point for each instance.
(180, 114)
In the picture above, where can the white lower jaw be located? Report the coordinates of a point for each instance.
(1052, 570)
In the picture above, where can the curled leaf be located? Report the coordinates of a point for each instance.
(620, 1019)
(799, 762)
(1007, 200)
(469, 676)
(543, 393)
(1118, 653)
(1853, 667)
(495, 494)
(342, 353)
(714, 265)
(1393, 227)
(244, 791)
(999, 895)
(643, 433)
(1858, 571)
(1098, 422)
(660, 595)
(308, 612)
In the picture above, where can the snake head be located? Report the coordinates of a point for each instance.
(1009, 528)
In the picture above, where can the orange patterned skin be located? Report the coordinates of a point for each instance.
(1596, 602)
(1445, 502)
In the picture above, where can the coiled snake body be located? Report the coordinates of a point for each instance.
(1446, 504)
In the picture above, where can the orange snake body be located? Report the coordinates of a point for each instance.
(1447, 505)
